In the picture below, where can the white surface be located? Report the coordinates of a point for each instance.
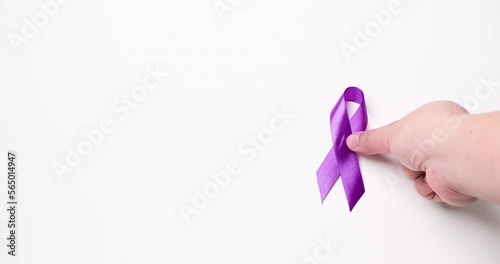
(121, 204)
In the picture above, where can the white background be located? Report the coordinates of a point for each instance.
(120, 205)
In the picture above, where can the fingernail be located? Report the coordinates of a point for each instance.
(352, 141)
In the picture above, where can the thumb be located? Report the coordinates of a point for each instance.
(376, 141)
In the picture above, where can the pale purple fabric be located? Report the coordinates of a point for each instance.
(341, 161)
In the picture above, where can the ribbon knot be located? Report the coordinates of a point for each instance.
(341, 161)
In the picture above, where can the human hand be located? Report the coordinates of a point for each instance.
(426, 143)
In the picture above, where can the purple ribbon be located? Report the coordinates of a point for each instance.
(341, 161)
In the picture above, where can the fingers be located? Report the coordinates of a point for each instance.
(424, 190)
(431, 193)
(448, 194)
(376, 141)
(412, 175)
(421, 185)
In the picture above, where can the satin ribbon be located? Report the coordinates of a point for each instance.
(341, 161)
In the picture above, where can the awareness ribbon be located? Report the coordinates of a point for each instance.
(341, 161)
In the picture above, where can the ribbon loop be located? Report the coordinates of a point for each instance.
(341, 161)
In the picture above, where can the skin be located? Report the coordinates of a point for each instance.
(451, 155)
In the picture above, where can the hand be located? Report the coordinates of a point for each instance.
(425, 142)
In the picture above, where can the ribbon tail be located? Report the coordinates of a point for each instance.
(352, 180)
(327, 174)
